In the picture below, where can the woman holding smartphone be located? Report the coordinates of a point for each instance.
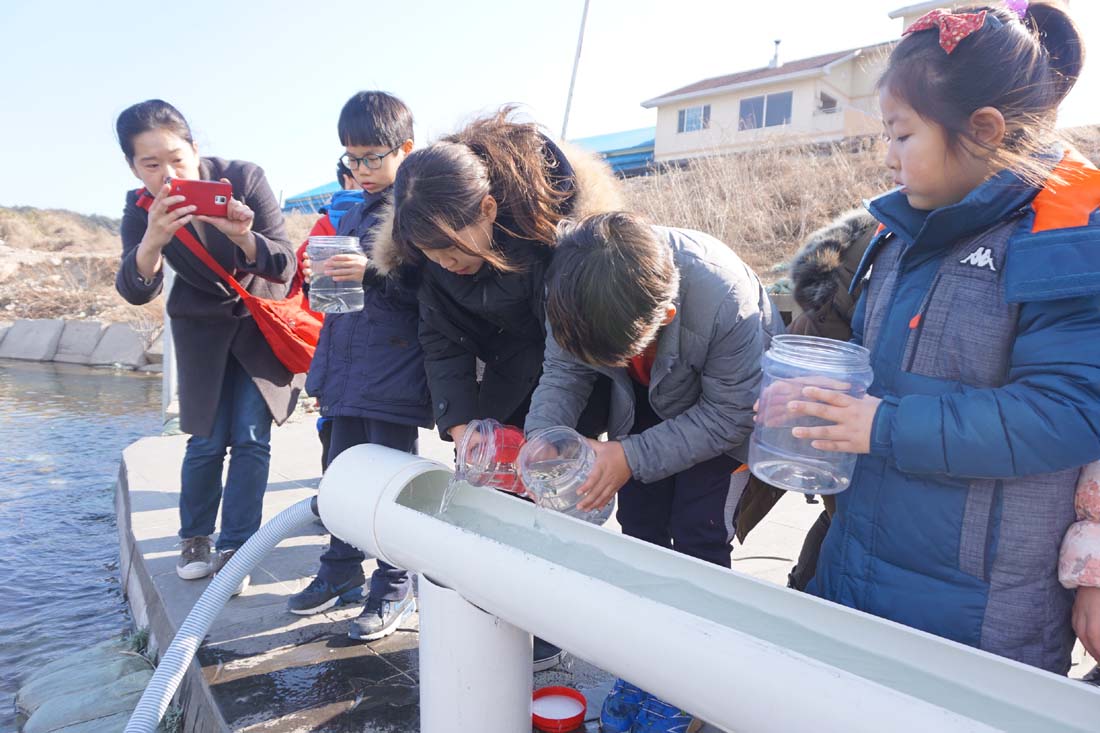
(231, 385)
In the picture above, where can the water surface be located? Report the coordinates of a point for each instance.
(62, 431)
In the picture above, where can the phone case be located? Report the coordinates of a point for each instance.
(211, 197)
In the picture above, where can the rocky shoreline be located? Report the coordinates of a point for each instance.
(84, 342)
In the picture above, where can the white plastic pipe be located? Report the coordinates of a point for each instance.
(464, 654)
(725, 646)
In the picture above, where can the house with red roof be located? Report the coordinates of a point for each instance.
(822, 99)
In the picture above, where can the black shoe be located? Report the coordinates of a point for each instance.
(381, 618)
(545, 655)
(321, 595)
(1093, 677)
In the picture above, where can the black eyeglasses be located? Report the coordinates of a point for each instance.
(370, 160)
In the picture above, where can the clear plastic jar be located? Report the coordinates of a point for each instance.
(554, 463)
(487, 456)
(325, 294)
(790, 364)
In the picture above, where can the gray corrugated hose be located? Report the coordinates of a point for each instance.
(158, 693)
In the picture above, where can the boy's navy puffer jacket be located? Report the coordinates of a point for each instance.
(369, 363)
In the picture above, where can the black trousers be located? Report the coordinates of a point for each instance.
(688, 512)
(342, 562)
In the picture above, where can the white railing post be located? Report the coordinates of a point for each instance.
(475, 669)
(169, 395)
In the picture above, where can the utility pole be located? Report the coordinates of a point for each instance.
(576, 63)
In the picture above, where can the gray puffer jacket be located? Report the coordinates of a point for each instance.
(706, 375)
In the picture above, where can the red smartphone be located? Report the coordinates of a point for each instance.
(211, 197)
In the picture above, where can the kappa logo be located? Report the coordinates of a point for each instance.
(981, 257)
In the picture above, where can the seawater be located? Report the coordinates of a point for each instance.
(328, 296)
(62, 431)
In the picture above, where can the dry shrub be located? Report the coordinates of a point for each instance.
(73, 287)
(44, 301)
(762, 204)
(298, 226)
(53, 230)
(89, 272)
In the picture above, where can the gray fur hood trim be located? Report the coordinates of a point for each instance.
(821, 268)
(597, 191)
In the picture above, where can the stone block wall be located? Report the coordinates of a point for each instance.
(79, 342)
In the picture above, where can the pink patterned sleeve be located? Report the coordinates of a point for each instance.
(1079, 563)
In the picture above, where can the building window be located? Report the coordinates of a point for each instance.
(765, 111)
(828, 105)
(751, 115)
(693, 118)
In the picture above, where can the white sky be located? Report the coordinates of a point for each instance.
(265, 81)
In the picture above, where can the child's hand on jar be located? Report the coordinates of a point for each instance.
(853, 419)
(773, 408)
(307, 267)
(609, 473)
(1086, 619)
(346, 267)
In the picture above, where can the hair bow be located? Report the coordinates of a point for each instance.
(1018, 6)
(953, 27)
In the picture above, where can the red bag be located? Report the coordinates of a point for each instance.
(290, 328)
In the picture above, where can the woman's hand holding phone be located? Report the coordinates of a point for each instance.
(166, 216)
(236, 224)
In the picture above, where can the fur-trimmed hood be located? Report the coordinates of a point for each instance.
(597, 191)
(823, 269)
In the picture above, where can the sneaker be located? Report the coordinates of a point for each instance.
(321, 595)
(545, 655)
(220, 559)
(1093, 677)
(381, 618)
(196, 560)
(657, 716)
(621, 707)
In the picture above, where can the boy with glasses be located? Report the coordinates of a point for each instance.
(368, 370)
(349, 195)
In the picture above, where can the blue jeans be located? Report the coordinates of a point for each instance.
(243, 426)
(342, 561)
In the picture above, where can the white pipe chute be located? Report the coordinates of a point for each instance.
(726, 646)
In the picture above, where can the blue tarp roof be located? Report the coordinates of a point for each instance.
(312, 200)
(327, 189)
(614, 141)
(629, 153)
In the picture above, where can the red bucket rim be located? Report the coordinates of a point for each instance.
(559, 725)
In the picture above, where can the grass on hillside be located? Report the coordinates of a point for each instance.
(56, 230)
(762, 204)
